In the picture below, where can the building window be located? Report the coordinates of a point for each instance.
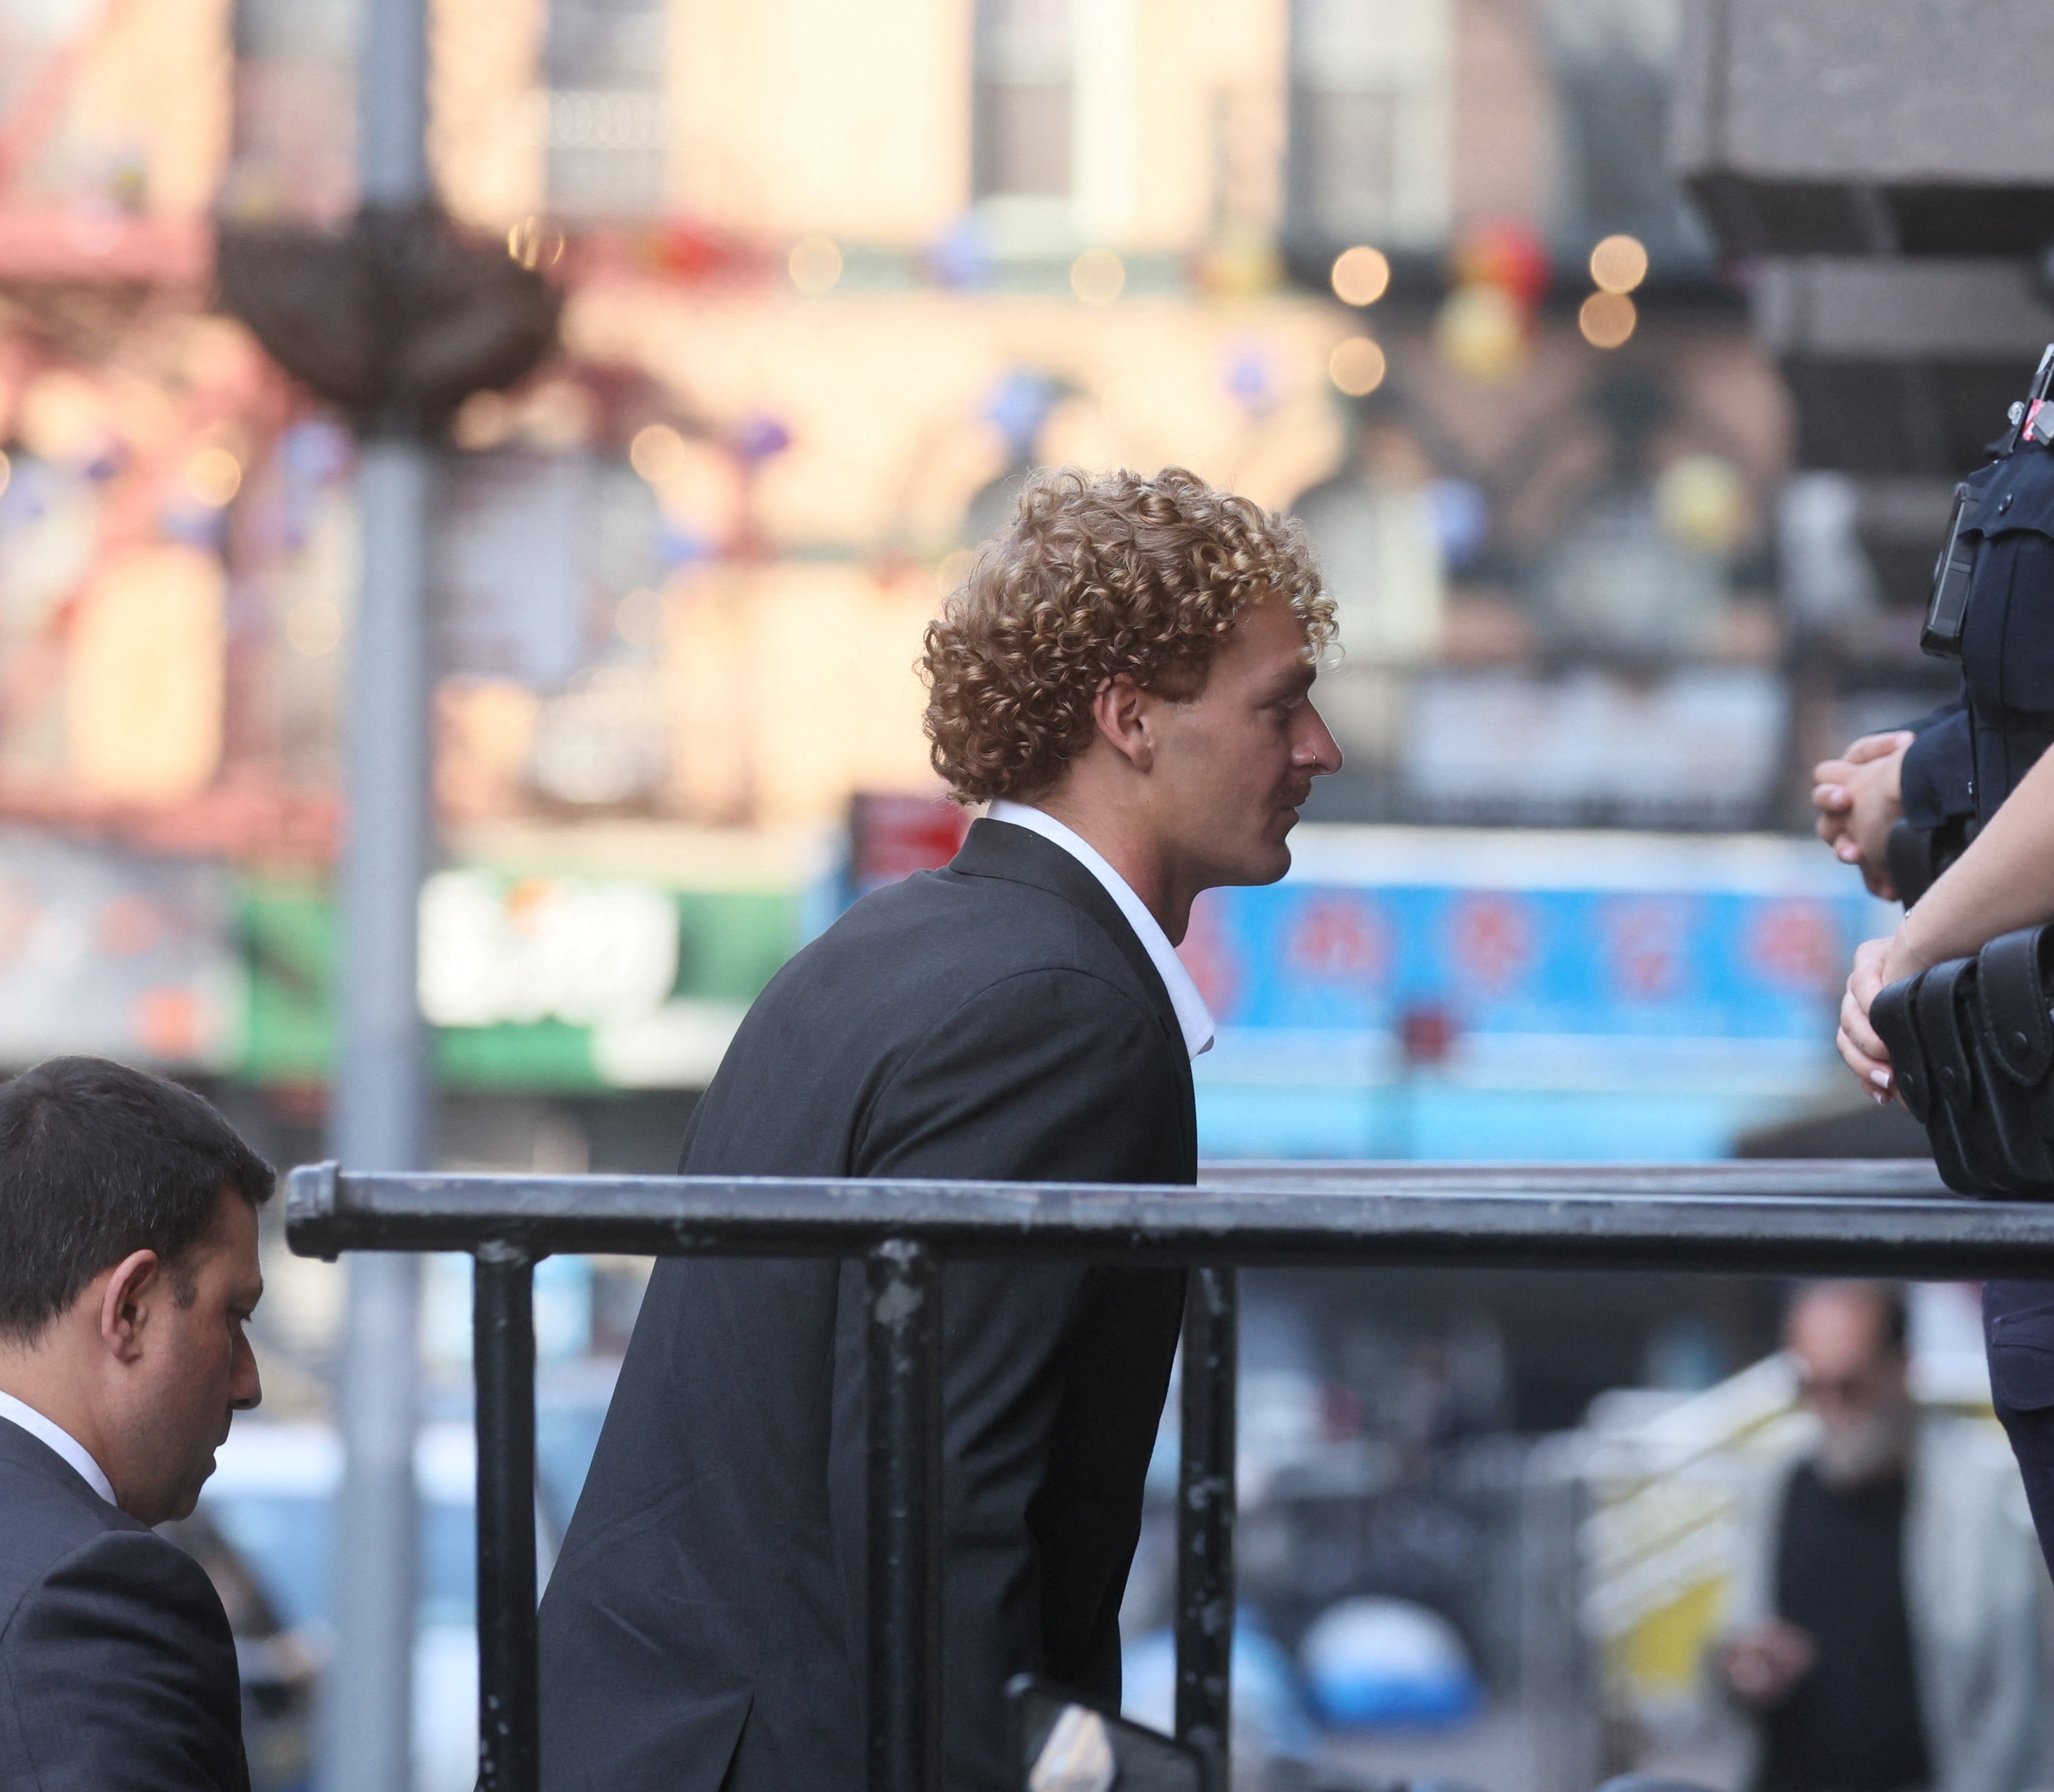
(1613, 63)
(1369, 121)
(602, 112)
(1022, 100)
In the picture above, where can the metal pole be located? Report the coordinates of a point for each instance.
(382, 1087)
(382, 1121)
(903, 1310)
(1205, 1520)
(392, 104)
(503, 1364)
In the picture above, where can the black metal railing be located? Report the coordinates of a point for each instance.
(1798, 1218)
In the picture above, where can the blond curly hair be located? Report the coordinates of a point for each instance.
(1096, 576)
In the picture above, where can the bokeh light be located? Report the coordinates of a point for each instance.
(1356, 367)
(815, 265)
(534, 244)
(1618, 264)
(212, 476)
(63, 417)
(1702, 502)
(1361, 275)
(483, 420)
(1506, 253)
(1607, 319)
(1097, 277)
(658, 453)
(1481, 332)
(559, 414)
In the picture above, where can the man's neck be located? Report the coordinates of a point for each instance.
(1128, 847)
(38, 1382)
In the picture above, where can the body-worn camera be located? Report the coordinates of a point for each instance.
(1948, 607)
(1946, 610)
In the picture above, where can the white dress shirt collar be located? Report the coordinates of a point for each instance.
(49, 1432)
(1193, 1017)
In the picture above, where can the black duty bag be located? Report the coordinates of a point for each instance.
(1972, 1042)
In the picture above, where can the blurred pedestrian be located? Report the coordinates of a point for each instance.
(127, 1270)
(1885, 1628)
(1126, 678)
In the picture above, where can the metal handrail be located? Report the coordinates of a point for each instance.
(1806, 1217)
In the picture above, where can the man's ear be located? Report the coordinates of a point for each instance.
(124, 1300)
(1120, 707)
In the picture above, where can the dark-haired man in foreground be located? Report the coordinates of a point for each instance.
(128, 1269)
(1126, 677)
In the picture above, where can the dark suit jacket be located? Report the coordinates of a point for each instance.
(703, 1627)
(117, 1671)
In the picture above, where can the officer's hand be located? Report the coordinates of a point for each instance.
(1859, 799)
(1762, 1662)
(1877, 963)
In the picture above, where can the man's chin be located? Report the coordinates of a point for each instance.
(1268, 867)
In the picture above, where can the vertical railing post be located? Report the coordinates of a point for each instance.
(1205, 1519)
(902, 1311)
(503, 1363)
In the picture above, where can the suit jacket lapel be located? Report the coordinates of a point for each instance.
(23, 1449)
(996, 849)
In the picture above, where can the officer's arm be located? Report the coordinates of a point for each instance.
(2004, 881)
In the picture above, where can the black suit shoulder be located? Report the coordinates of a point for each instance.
(941, 938)
(117, 1666)
(1008, 983)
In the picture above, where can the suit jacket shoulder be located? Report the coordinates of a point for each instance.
(1007, 983)
(117, 1666)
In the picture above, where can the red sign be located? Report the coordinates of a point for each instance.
(1491, 939)
(1795, 945)
(891, 837)
(1644, 937)
(1338, 938)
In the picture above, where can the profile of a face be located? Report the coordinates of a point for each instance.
(1237, 760)
(187, 1367)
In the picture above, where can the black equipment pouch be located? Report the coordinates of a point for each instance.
(1948, 607)
(1971, 1045)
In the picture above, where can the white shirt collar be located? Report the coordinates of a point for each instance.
(1193, 1017)
(49, 1432)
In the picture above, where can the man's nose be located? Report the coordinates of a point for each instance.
(245, 1386)
(1316, 749)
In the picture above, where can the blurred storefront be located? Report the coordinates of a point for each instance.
(833, 283)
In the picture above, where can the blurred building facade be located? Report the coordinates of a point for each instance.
(835, 279)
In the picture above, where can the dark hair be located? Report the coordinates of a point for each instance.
(97, 1161)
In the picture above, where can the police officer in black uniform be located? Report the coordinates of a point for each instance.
(1993, 608)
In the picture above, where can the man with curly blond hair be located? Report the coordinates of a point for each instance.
(1125, 679)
